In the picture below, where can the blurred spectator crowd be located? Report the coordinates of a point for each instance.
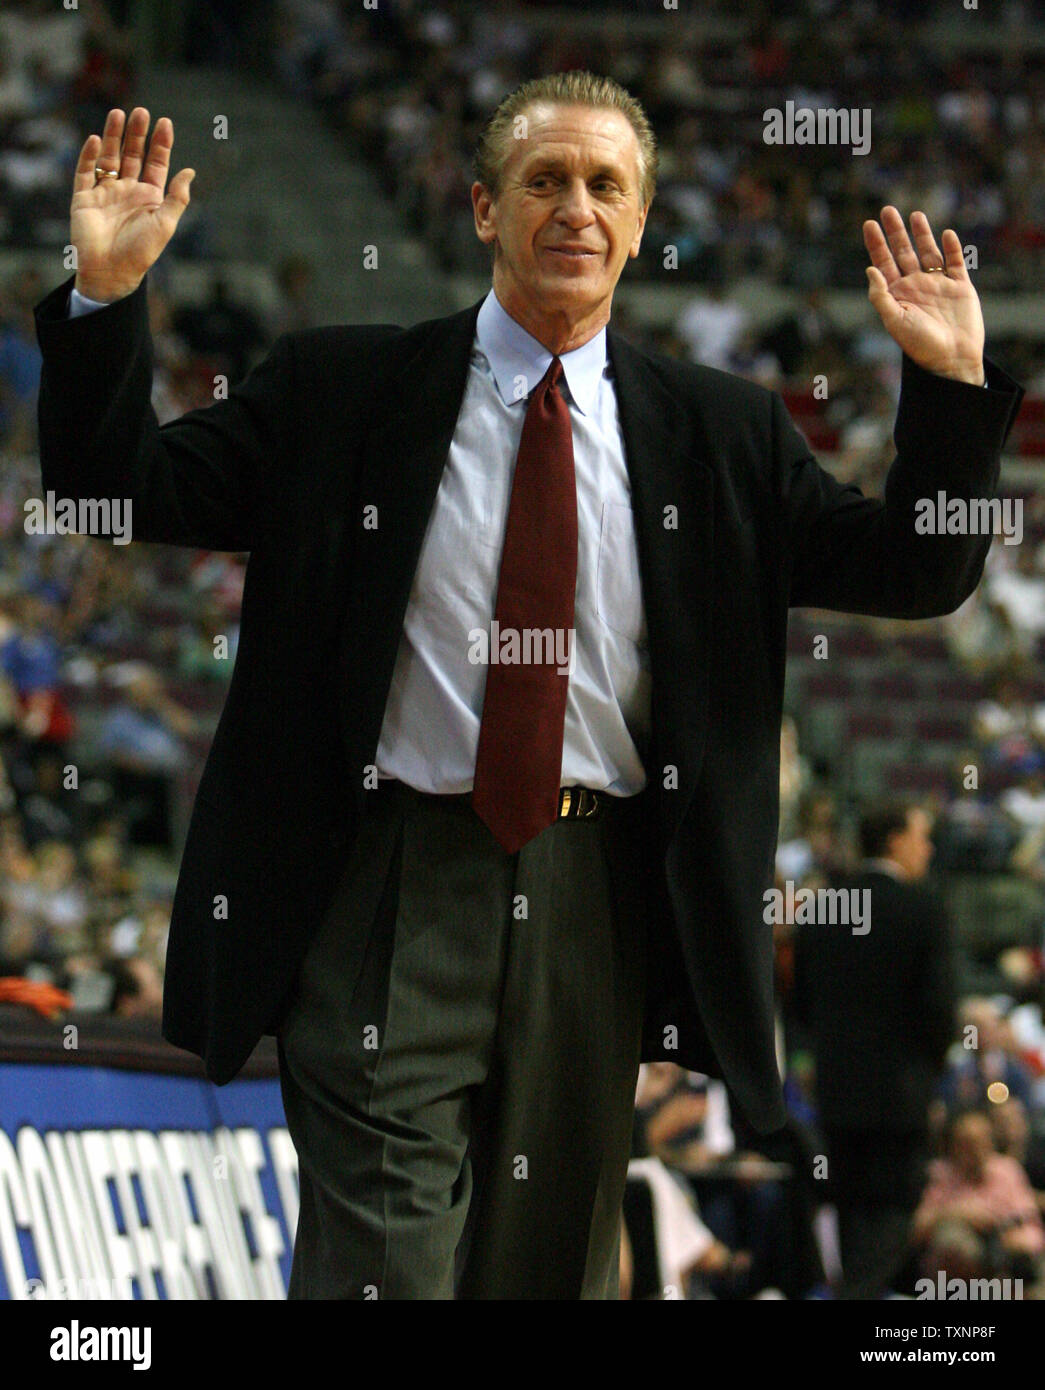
(111, 674)
(956, 128)
(113, 660)
(714, 1210)
(958, 131)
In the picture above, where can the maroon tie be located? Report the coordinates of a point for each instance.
(518, 763)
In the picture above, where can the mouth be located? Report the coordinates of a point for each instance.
(570, 255)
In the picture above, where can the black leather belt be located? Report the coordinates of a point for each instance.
(575, 803)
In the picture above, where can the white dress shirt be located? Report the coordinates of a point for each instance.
(431, 725)
(430, 731)
(886, 866)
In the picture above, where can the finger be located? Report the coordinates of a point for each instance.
(83, 179)
(109, 157)
(954, 255)
(158, 162)
(878, 250)
(882, 301)
(134, 143)
(904, 253)
(930, 257)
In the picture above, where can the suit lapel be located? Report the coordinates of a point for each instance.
(400, 469)
(673, 505)
(672, 499)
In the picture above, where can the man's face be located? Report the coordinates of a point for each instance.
(912, 848)
(566, 218)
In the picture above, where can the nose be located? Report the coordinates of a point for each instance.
(575, 204)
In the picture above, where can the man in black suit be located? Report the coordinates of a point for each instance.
(879, 1001)
(463, 942)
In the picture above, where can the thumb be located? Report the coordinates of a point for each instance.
(178, 191)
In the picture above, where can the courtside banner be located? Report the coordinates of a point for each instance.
(130, 1185)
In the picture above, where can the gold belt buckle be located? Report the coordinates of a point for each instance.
(587, 803)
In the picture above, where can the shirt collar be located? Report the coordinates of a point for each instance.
(886, 866)
(513, 353)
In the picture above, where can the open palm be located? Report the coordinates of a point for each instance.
(120, 226)
(934, 316)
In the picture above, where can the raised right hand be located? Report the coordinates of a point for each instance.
(120, 226)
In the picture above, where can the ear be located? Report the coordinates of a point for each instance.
(484, 212)
(633, 250)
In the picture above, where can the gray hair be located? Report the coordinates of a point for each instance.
(575, 88)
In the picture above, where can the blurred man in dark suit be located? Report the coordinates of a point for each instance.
(879, 1004)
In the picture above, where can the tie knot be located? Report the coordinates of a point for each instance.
(553, 375)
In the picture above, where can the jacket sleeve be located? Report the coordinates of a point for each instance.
(857, 554)
(201, 480)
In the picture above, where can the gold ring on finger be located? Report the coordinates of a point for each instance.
(100, 174)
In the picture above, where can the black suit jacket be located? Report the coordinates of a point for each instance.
(880, 1006)
(735, 521)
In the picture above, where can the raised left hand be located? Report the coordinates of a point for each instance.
(934, 316)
